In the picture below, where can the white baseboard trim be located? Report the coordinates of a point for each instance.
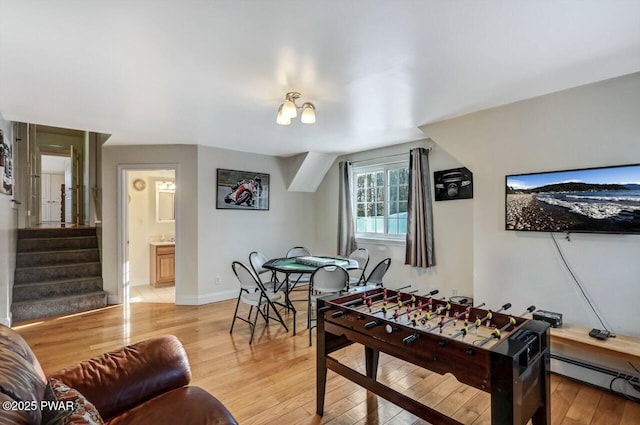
(7, 320)
(209, 298)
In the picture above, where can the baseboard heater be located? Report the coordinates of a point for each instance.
(632, 379)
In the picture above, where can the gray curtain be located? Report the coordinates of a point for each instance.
(419, 247)
(346, 235)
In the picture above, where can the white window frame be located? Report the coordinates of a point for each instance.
(379, 238)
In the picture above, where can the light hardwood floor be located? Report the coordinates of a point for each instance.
(273, 380)
(148, 293)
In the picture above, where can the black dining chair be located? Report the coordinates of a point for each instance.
(378, 272)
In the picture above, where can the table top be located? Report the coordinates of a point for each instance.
(291, 265)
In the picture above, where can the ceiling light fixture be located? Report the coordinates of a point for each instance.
(289, 110)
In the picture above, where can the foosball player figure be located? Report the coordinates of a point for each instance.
(430, 303)
(413, 301)
(384, 309)
(441, 324)
(370, 303)
(408, 313)
(414, 320)
(448, 309)
(425, 318)
(489, 317)
(420, 306)
(465, 331)
(478, 322)
(455, 318)
(395, 315)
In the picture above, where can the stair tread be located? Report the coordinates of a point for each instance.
(57, 251)
(84, 263)
(58, 281)
(58, 271)
(64, 297)
(32, 233)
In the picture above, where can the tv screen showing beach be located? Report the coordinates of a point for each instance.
(605, 199)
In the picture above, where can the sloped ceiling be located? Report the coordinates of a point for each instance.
(214, 72)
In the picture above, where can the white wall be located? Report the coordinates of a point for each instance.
(8, 225)
(184, 158)
(452, 229)
(589, 126)
(207, 239)
(228, 235)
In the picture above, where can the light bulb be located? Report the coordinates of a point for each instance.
(308, 114)
(281, 118)
(289, 109)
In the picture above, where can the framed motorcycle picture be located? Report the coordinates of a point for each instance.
(242, 190)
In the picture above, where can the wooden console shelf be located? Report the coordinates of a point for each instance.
(622, 347)
(162, 260)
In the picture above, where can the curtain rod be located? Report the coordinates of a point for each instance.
(384, 157)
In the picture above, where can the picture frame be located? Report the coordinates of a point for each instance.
(242, 190)
(455, 183)
(6, 165)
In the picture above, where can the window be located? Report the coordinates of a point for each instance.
(380, 200)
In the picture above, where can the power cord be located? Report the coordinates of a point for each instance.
(575, 279)
(634, 382)
(622, 392)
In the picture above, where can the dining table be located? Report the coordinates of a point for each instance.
(294, 270)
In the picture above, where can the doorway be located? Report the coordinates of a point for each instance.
(149, 239)
(53, 199)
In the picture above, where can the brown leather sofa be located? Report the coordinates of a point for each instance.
(144, 383)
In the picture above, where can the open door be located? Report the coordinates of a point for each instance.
(73, 184)
(68, 184)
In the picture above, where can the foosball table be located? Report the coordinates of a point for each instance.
(504, 355)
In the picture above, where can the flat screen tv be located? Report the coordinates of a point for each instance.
(599, 200)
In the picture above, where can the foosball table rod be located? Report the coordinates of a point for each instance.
(402, 303)
(365, 298)
(497, 332)
(454, 319)
(464, 331)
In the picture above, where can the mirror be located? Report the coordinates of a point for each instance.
(165, 202)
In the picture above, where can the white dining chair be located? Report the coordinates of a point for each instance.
(361, 257)
(298, 278)
(325, 280)
(259, 298)
(265, 276)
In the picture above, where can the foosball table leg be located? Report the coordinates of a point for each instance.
(321, 367)
(371, 356)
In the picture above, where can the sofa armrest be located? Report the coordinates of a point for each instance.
(119, 380)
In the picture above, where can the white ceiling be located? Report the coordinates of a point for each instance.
(214, 72)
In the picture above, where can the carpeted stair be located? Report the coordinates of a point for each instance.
(58, 271)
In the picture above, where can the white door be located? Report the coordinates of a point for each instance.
(57, 180)
(68, 179)
(45, 200)
(51, 196)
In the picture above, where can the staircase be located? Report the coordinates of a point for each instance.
(58, 271)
